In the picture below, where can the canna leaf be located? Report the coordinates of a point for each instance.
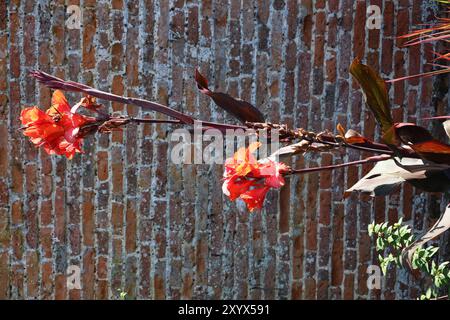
(387, 175)
(241, 109)
(375, 93)
(421, 141)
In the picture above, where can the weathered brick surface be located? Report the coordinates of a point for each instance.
(134, 221)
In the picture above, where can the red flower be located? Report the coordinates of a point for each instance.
(273, 173)
(235, 186)
(57, 130)
(254, 199)
(243, 176)
(243, 162)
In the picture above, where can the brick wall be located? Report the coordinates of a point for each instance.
(134, 221)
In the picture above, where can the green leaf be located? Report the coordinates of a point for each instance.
(414, 262)
(384, 266)
(380, 258)
(390, 239)
(433, 251)
(438, 228)
(428, 294)
(437, 282)
(377, 228)
(434, 270)
(389, 230)
(403, 231)
(370, 229)
(380, 244)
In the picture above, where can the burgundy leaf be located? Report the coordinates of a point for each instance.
(386, 175)
(242, 110)
(422, 142)
(410, 133)
(375, 92)
(202, 83)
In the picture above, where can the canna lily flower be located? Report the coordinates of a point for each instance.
(58, 129)
(234, 187)
(254, 199)
(273, 173)
(243, 162)
(243, 176)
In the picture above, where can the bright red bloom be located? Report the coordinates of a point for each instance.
(57, 129)
(254, 199)
(273, 173)
(243, 162)
(243, 176)
(235, 186)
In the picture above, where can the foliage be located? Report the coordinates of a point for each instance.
(122, 294)
(391, 240)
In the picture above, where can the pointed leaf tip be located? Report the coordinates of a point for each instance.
(202, 83)
(242, 110)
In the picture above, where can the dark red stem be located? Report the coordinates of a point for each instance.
(341, 165)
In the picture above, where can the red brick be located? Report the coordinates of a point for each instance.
(310, 289)
(4, 275)
(32, 274)
(285, 197)
(3, 151)
(403, 25)
(46, 290)
(159, 287)
(88, 275)
(130, 232)
(88, 35)
(336, 263)
(17, 281)
(46, 235)
(349, 283)
(325, 207)
(359, 29)
(102, 165)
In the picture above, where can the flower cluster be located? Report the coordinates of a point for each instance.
(58, 129)
(249, 179)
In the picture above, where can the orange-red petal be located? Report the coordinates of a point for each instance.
(254, 199)
(59, 104)
(234, 187)
(33, 115)
(55, 130)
